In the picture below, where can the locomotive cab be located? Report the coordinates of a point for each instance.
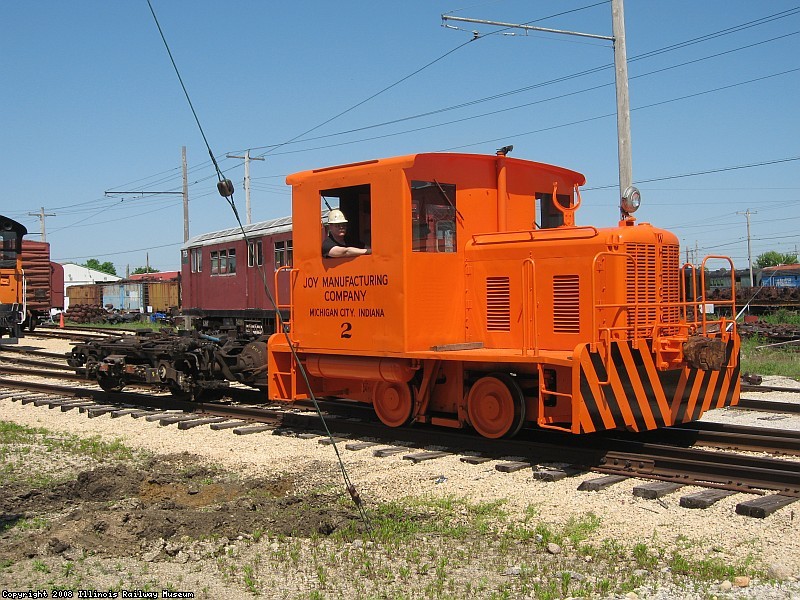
(483, 304)
(12, 279)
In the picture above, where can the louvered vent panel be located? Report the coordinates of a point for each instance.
(566, 304)
(653, 286)
(498, 304)
(671, 284)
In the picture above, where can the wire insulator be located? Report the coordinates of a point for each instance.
(354, 494)
(225, 187)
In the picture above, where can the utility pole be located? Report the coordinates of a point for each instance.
(247, 158)
(41, 216)
(623, 101)
(626, 189)
(185, 196)
(184, 192)
(747, 214)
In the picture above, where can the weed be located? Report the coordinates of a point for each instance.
(68, 569)
(40, 567)
(643, 557)
(250, 579)
(578, 529)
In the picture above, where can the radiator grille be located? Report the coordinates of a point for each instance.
(653, 287)
(671, 283)
(498, 304)
(566, 304)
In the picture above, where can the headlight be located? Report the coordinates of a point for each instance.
(631, 200)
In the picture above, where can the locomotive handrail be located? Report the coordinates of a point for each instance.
(542, 391)
(596, 307)
(531, 235)
(596, 331)
(701, 300)
(293, 274)
(733, 283)
(636, 326)
(24, 294)
(529, 284)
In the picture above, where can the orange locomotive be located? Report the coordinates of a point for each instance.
(12, 279)
(483, 304)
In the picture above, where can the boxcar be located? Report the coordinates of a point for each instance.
(89, 293)
(45, 282)
(781, 276)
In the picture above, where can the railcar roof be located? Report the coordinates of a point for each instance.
(793, 269)
(271, 227)
(408, 161)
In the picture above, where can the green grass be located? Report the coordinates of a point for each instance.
(768, 361)
(772, 360)
(142, 325)
(782, 316)
(19, 444)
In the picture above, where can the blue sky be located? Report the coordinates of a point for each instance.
(90, 103)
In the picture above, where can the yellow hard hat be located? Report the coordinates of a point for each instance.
(336, 216)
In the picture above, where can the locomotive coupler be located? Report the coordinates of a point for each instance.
(705, 353)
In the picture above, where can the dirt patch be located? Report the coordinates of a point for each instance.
(168, 505)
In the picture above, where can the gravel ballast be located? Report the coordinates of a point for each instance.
(766, 552)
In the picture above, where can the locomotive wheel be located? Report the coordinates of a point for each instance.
(110, 384)
(393, 403)
(496, 406)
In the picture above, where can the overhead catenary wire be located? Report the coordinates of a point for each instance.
(649, 54)
(351, 489)
(683, 44)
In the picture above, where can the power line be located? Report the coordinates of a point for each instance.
(679, 45)
(707, 172)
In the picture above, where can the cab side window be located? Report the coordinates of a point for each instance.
(356, 204)
(433, 216)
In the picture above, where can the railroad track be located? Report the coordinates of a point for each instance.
(57, 362)
(72, 335)
(670, 466)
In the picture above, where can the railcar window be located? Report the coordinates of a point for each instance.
(356, 204)
(255, 254)
(433, 216)
(197, 259)
(223, 262)
(283, 254)
(9, 248)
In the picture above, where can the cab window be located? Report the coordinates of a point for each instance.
(549, 216)
(433, 216)
(356, 204)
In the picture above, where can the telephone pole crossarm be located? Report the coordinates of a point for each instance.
(621, 84)
(41, 216)
(526, 27)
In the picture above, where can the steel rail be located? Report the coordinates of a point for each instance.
(768, 405)
(689, 466)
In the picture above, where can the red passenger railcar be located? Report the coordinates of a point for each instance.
(223, 277)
